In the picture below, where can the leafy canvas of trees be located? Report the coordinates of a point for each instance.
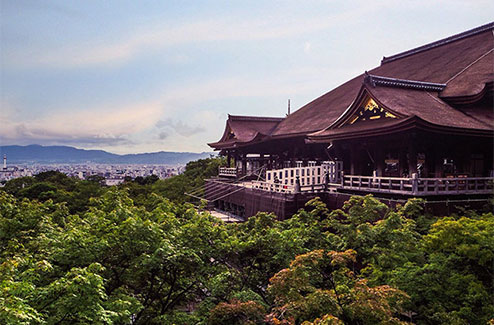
(76, 252)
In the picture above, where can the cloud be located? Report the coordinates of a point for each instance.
(307, 47)
(182, 116)
(116, 48)
(179, 127)
(25, 5)
(101, 125)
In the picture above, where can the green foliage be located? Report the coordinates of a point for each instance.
(74, 251)
(454, 283)
(195, 173)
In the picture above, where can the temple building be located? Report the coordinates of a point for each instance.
(419, 125)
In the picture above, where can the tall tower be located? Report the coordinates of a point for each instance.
(4, 161)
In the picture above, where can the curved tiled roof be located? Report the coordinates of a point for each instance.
(428, 82)
(463, 64)
(444, 41)
(240, 130)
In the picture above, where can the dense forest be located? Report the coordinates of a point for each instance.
(76, 252)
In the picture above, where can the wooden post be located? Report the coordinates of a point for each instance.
(379, 161)
(415, 184)
(244, 164)
(438, 162)
(353, 162)
(297, 185)
(412, 157)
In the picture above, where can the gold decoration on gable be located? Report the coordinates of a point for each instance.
(370, 111)
(230, 135)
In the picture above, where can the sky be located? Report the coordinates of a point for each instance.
(145, 76)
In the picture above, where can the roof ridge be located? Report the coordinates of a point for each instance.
(402, 83)
(440, 42)
(255, 118)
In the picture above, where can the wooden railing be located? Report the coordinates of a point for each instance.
(457, 185)
(419, 186)
(377, 184)
(227, 172)
(307, 175)
(286, 188)
(273, 187)
(313, 188)
(393, 185)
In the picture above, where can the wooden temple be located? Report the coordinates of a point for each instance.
(419, 125)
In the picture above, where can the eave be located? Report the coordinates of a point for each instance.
(398, 126)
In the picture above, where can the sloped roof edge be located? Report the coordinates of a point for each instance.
(375, 80)
(255, 118)
(441, 42)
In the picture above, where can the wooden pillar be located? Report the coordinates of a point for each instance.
(379, 160)
(438, 162)
(338, 151)
(353, 160)
(412, 156)
(244, 164)
(229, 157)
(403, 163)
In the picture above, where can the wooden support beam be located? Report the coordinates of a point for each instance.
(412, 156)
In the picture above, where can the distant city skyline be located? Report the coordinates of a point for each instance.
(131, 77)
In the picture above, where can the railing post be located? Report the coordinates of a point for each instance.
(342, 179)
(415, 184)
(297, 185)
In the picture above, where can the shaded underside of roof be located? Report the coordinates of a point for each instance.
(389, 126)
(357, 129)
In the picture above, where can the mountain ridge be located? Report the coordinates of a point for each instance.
(36, 153)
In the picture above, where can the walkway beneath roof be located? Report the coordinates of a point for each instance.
(225, 216)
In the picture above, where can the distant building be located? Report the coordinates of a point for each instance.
(419, 125)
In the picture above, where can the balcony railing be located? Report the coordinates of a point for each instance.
(312, 179)
(391, 185)
(227, 172)
(273, 187)
(286, 188)
(419, 186)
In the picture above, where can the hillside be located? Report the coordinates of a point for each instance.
(66, 154)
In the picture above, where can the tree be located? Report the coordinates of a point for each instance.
(321, 284)
(454, 284)
(236, 312)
